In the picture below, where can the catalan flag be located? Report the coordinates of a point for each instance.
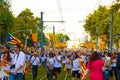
(82, 67)
(12, 40)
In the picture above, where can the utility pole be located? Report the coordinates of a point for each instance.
(53, 37)
(41, 30)
(111, 31)
(96, 38)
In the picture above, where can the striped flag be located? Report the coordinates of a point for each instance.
(12, 40)
(82, 67)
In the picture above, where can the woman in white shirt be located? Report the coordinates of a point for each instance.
(57, 65)
(50, 66)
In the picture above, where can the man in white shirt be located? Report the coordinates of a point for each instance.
(18, 64)
(35, 61)
(76, 69)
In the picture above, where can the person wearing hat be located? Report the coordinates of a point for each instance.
(35, 61)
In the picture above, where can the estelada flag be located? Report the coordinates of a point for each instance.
(12, 40)
(82, 67)
(34, 37)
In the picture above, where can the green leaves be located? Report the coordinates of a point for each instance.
(101, 19)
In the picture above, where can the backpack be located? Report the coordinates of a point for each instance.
(107, 63)
(51, 67)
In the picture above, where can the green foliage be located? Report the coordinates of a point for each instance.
(98, 19)
(61, 38)
(101, 19)
(21, 26)
(6, 21)
(117, 0)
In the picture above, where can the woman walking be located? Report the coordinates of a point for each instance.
(95, 66)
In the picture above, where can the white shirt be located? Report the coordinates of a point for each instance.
(68, 63)
(35, 60)
(12, 56)
(56, 63)
(43, 58)
(84, 58)
(19, 60)
(114, 62)
(50, 60)
(76, 64)
(2, 56)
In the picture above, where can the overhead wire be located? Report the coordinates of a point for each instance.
(60, 9)
(97, 4)
(60, 12)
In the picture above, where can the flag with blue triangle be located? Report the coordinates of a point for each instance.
(12, 40)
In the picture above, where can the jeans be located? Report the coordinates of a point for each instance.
(34, 71)
(107, 74)
(43, 64)
(19, 76)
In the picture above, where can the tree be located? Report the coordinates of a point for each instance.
(101, 19)
(61, 39)
(98, 19)
(6, 21)
(116, 22)
(26, 21)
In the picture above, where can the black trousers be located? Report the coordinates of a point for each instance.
(34, 71)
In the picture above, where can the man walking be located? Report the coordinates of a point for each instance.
(18, 64)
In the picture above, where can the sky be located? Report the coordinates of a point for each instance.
(70, 11)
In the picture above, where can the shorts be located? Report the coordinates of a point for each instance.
(57, 69)
(68, 70)
(76, 73)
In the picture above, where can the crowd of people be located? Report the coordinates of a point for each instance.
(15, 63)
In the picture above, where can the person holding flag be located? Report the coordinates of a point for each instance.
(95, 66)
